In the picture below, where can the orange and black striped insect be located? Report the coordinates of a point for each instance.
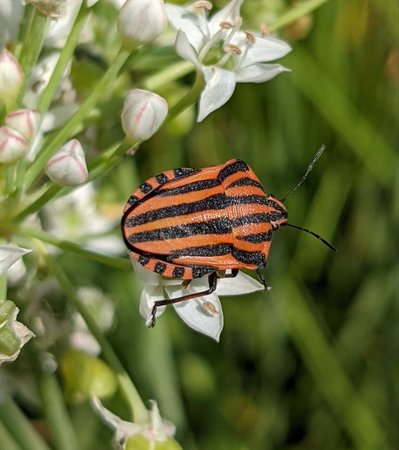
(188, 224)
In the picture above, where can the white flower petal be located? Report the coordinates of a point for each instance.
(220, 85)
(227, 14)
(149, 295)
(202, 314)
(264, 49)
(9, 255)
(145, 275)
(160, 429)
(259, 73)
(123, 429)
(182, 19)
(184, 49)
(241, 284)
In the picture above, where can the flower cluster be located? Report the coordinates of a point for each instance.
(71, 111)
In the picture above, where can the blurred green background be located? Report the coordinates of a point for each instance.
(314, 363)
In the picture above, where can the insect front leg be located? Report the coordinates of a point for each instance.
(212, 279)
(259, 272)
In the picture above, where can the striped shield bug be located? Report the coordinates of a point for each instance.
(187, 224)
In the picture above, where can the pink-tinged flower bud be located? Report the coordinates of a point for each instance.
(143, 114)
(11, 78)
(142, 21)
(12, 145)
(25, 121)
(68, 166)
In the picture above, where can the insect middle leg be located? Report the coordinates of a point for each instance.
(212, 279)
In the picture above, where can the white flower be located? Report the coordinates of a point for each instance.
(11, 78)
(77, 217)
(202, 314)
(143, 114)
(142, 21)
(222, 52)
(13, 334)
(9, 255)
(12, 145)
(25, 121)
(156, 430)
(68, 166)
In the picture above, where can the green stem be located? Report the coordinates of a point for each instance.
(24, 27)
(105, 162)
(70, 127)
(64, 59)
(188, 99)
(59, 422)
(19, 426)
(111, 261)
(167, 75)
(138, 410)
(300, 9)
(3, 286)
(49, 192)
(6, 440)
(33, 44)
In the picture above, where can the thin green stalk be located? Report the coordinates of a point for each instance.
(64, 59)
(96, 168)
(20, 427)
(48, 93)
(6, 440)
(171, 73)
(49, 192)
(80, 115)
(189, 99)
(60, 426)
(300, 9)
(3, 286)
(24, 27)
(111, 261)
(139, 412)
(33, 44)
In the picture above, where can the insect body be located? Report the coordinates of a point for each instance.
(188, 223)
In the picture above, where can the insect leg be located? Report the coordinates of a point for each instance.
(212, 279)
(259, 272)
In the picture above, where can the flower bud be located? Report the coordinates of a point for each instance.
(12, 145)
(141, 21)
(86, 375)
(25, 121)
(11, 78)
(68, 166)
(143, 114)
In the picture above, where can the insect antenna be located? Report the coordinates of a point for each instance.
(308, 170)
(331, 247)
